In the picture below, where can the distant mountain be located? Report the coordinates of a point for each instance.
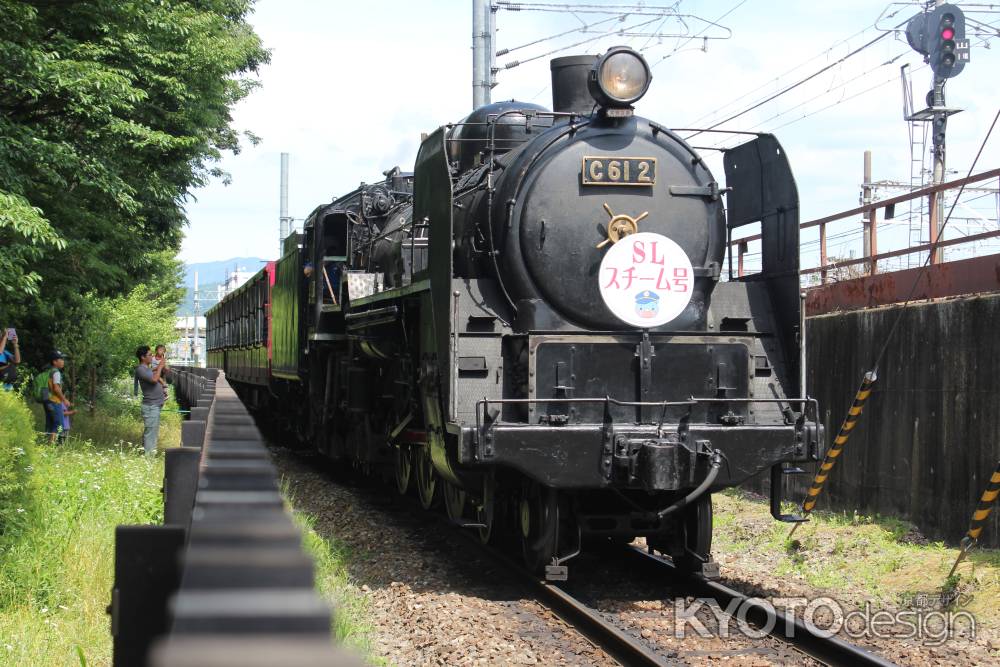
(209, 293)
(215, 272)
(210, 276)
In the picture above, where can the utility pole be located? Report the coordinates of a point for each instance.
(285, 221)
(194, 339)
(938, 134)
(483, 51)
(939, 127)
(871, 232)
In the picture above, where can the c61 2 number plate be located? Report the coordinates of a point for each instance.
(611, 170)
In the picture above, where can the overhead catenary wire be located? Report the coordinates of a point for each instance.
(791, 87)
(736, 100)
(619, 13)
(695, 36)
(586, 26)
(718, 110)
(893, 79)
(825, 52)
(517, 63)
(638, 9)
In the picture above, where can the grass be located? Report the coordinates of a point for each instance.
(57, 561)
(855, 557)
(352, 624)
(117, 419)
(351, 621)
(56, 567)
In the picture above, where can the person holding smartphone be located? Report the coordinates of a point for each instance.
(152, 396)
(10, 357)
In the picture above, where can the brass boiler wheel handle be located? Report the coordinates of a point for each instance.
(620, 226)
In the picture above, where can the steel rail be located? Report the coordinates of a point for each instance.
(588, 622)
(814, 642)
(591, 625)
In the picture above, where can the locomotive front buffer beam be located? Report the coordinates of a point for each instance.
(649, 457)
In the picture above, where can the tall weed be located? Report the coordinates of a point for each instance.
(17, 438)
(56, 572)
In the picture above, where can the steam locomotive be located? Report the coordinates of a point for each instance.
(532, 329)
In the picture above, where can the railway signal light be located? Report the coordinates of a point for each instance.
(916, 34)
(939, 36)
(948, 48)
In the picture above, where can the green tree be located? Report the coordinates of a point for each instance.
(111, 113)
(107, 330)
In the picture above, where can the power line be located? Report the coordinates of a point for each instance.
(660, 14)
(696, 36)
(791, 87)
(638, 9)
(721, 144)
(503, 52)
(516, 63)
(798, 67)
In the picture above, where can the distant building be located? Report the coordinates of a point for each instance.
(236, 278)
(187, 350)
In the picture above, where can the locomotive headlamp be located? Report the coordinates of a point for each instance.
(619, 78)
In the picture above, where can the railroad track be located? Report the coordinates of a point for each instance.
(614, 637)
(812, 641)
(629, 650)
(591, 623)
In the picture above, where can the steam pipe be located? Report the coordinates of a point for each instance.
(702, 488)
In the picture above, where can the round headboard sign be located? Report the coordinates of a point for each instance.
(646, 280)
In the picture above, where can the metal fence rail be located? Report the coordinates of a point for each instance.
(869, 263)
(224, 581)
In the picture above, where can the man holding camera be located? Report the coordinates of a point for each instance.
(153, 396)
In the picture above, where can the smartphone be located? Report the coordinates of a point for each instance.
(12, 334)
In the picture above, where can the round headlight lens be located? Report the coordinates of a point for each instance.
(623, 77)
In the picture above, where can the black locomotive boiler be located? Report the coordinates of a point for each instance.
(532, 326)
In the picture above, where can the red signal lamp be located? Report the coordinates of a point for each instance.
(948, 33)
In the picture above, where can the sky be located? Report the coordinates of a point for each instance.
(352, 85)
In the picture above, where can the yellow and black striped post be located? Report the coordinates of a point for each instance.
(979, 517)
(853, 415)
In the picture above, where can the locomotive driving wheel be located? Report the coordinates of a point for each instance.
(403, 461)
(691, 545)
(426, 477)
(486, 509)
(539, 522)
(455, 501)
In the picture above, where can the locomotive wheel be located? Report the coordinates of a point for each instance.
(426, 477)
(455, 501)
(695, 524)
(539, 521)
(486, 509)
(403, 468)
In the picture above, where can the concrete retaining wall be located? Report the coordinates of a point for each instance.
(929, 438)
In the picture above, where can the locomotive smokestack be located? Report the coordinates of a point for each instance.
(569, 84)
